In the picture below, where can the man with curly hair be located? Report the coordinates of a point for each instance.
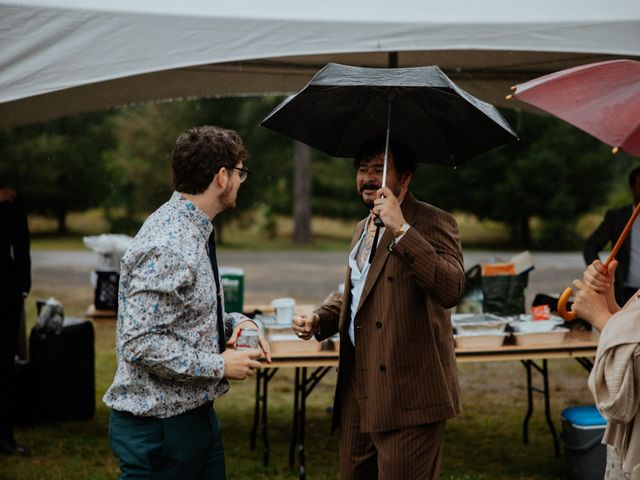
(172, 334)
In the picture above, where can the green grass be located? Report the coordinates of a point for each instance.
(248, 233)
(482, 443)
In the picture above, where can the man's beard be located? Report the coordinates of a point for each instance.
(374, 186)
(368, 186)
(227, 199)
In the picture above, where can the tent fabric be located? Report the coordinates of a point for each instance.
(66, 56)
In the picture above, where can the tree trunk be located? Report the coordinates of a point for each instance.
(521, 233)
(302, 194)
(61, 217)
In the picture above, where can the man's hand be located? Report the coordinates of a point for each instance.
(240, 364)
(305, 325)
(250, 325)
(387, 207)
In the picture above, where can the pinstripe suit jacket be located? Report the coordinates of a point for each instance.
(403, 367)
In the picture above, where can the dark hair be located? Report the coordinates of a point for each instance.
(404, 160)
(633, 175)
(200, 153)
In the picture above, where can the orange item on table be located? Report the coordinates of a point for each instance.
(498, 269)
(540, 312)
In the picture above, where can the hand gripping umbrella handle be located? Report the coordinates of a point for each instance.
(562, 301)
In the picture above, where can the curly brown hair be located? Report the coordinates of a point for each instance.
(404, 159)
(200, 153)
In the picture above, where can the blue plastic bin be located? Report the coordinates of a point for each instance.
(582, 431)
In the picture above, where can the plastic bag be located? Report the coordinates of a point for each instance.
(499, 294)
(50, 315)
(111, 247)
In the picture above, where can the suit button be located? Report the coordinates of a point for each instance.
(379, 324)
(383, 368)
(390, 278)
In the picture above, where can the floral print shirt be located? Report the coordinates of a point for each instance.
(166, 335)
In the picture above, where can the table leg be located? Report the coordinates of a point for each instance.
(263, 376)
(544, 371)
(294, 430)
(587, 363)
(256, 411)
(304, 385)
(527, 417)
(301, 422)
(547, 408)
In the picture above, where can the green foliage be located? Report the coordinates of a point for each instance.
(120, 160)
(334, 188)
(146, 136)
(555, 172)
(58, 166)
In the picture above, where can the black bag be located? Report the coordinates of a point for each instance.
(64, 371)
(501, 295)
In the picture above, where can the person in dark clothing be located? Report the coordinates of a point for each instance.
(627, 275)
(15, 283)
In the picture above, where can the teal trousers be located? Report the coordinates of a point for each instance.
(186, 447)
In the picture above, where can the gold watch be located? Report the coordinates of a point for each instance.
(403, 229)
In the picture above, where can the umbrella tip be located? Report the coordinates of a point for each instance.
(509, 97)
(615, 150)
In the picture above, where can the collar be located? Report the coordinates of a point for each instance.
(193, 213)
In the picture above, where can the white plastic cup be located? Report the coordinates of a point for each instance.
(284, 310)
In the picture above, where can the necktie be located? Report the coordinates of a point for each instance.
(219, 313)
(367, 247)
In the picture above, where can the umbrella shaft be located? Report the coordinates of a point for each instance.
(386, 146)
(623, 235)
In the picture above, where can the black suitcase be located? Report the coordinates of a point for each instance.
(64, 371)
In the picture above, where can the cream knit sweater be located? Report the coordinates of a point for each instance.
(615, 384)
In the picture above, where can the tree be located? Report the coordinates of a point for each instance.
(146, 136)
(302, 194)
(555, 172)
(58, 165)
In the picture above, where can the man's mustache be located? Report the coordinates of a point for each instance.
(369, 186)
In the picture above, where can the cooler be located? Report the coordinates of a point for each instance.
(582, 431)
(232, 280)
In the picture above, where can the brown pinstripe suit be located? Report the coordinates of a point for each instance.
(402, 371)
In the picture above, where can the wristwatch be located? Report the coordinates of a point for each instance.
(403, 229)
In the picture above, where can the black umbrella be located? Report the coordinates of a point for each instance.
(344, 106)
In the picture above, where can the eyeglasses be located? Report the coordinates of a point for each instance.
(244, 173)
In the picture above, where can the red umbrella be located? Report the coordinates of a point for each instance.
(603, 99)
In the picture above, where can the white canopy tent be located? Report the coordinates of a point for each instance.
(60, 57)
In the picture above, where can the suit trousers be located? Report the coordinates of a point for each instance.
(187, 446)
(408, 453)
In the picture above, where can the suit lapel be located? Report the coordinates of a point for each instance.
(408, 208)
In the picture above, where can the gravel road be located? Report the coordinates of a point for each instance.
(306, 276)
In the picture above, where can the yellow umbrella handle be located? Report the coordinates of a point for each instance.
(562, 301)
(562, 305)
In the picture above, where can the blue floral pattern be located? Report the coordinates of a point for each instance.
(166, 335)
